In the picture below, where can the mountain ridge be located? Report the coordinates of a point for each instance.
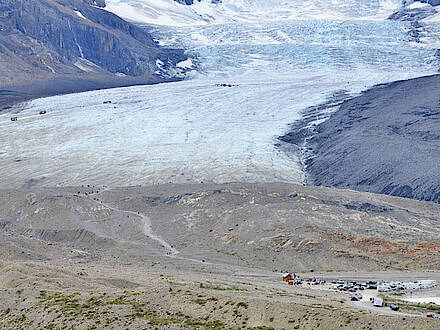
(77, 40)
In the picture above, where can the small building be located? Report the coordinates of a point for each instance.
(287, 277)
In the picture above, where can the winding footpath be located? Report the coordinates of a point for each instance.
(145, 221)
(147, 229)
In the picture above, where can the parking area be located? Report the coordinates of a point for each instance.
(366, 294)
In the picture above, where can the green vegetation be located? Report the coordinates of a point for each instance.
(304, 295)
(214, 325)
(326, 307)
(96, 311)
(66, 302)
(117, 301)
(200, 301)
(162, 321)
(221, 288)
(242, 304)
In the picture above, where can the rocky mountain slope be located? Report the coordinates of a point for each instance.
(386, 141)
(44, 40)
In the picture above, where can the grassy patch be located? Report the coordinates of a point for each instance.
(242, 304)
(64, 301)
(304, 295)
(214, 325)
(200, 301)
(162, 321)
(117, 301)
(326, 307)
(221, 288)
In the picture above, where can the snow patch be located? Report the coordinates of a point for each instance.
(424, 300)
(417, 5)
(159, 63)
(432, 19)
(87, 66)
(80, 14)
(49, 67)
(187, 64)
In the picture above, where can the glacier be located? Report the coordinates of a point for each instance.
(200, 129)
(170, 12)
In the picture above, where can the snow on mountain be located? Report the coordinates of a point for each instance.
(45, 40)
(172, 13)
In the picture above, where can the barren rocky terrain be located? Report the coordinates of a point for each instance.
(206, 256)
(383, 141)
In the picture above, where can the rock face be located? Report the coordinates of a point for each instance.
(51, 38)
(406, 13)
(431, 2)
(385, 141)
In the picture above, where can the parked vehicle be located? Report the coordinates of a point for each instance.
(354, 298)
(378, 302)
(14, 118)
(435, 316)
(42, 112)
(394, 307)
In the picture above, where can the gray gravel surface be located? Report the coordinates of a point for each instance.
(385, 141)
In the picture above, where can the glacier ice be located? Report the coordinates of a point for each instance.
(170, 12)
(200, 130)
